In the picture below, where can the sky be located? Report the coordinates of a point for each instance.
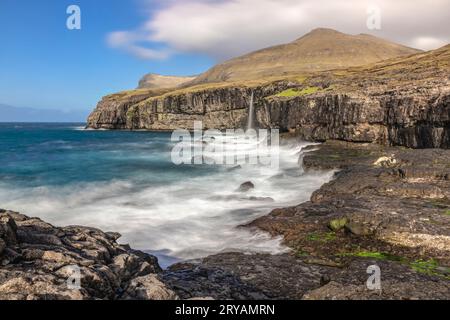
(45, 65)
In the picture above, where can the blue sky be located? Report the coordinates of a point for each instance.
(45, 65)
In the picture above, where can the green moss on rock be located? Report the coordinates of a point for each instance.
(338, 224)
(289, 93)
(321, 237)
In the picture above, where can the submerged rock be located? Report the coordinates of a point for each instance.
(234, 168)
(246, 186)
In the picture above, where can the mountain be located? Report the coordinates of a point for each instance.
(157, 81)
(17, 114)
(321, 49)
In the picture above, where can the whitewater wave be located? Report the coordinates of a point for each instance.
(188, 218)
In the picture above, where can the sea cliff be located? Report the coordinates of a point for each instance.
(403, 101)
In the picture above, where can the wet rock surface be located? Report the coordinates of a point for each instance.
(386, 206)
(242, 276)
(37, 260)
(246, 186)
(267, 277)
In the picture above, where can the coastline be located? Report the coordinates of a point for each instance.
(348, 225)
(333, 239)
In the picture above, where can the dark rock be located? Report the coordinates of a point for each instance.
(234, 168)
(37, 259)
(398, 282)
(265, 199)
(244, 276)
(246, 186)
(2, 245)
(148, 287)
(8, 229)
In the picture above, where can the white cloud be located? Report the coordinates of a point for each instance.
(428, 43)
(129, 42)
(226, 28)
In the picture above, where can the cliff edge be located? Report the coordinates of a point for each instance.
(403, 101)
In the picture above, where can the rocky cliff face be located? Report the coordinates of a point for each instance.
(398, 102)
(407, 118)
(218, 108)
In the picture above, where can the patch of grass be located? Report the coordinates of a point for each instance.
(340, 73)
(429, 267)
(289, 93)
(334, 156)
(424, 266)
(301, 254)
(301, 79)
(374, 255)
(321, 237)
(439, 203)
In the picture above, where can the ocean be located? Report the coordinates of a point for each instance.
(125, 181)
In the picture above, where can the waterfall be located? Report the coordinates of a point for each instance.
(251, 113)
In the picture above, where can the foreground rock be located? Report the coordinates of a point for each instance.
(400, 206)
(37, 260)
(261, 276)
(387, 207)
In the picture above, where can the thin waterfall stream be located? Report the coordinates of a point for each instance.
(251, 112)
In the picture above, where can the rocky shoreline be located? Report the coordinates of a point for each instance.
(386, 206)
(37, 260)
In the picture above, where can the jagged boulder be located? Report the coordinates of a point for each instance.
(246, 186)
(40, 261)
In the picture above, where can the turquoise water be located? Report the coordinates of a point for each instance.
(126, 182)
(60, 154)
